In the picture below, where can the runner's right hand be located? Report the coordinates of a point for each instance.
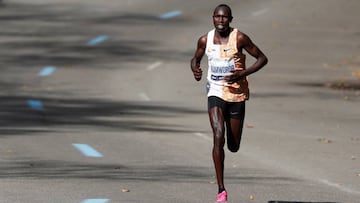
(197, 73)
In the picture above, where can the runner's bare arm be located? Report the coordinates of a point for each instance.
(244, 42)
(199, 53)
(253, 50)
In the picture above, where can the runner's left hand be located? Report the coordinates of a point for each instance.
(235, 76)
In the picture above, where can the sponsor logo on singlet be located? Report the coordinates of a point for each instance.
(220, 69)
(219, 72)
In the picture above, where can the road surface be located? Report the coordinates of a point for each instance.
(98, 103)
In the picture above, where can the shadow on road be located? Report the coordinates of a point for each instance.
(17, 118)
(43, 35)
(46, 34)
(132, 173)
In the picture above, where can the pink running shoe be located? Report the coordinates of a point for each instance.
(221, 197)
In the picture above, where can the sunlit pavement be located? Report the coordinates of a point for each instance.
(98, 103)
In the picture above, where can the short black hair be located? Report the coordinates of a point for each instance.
(224, 6)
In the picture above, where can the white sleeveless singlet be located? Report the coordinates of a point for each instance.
(221, 60)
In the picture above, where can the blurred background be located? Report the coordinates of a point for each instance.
(98, 103)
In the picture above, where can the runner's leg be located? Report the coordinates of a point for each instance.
(234, 126)
(216, 115)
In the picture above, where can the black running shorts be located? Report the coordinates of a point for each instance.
(231, 109)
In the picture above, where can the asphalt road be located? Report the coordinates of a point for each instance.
(98, 103)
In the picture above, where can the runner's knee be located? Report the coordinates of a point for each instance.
(219, 140)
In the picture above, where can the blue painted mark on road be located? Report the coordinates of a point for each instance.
(95, 201)
(97, 40)
(171, 14)
(35, 104)
(48, 70)
(87, 150)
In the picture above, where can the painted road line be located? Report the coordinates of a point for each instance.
(203, 136)
(144, 96)
(260, 12)
(97, 40)
(48, 70)
(339, 186)
(87, 150)
(171, 14)
(35, 104)
(154, 65)
(95, 201)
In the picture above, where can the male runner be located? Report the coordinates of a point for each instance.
(227, 84)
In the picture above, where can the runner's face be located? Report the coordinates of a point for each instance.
(221, 19)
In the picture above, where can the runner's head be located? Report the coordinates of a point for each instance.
(222, 17)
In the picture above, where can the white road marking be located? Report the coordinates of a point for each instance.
(204, 136)
(154, 65)
(324, 181)
(260, 12)
(144, 96)
(339, 186)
